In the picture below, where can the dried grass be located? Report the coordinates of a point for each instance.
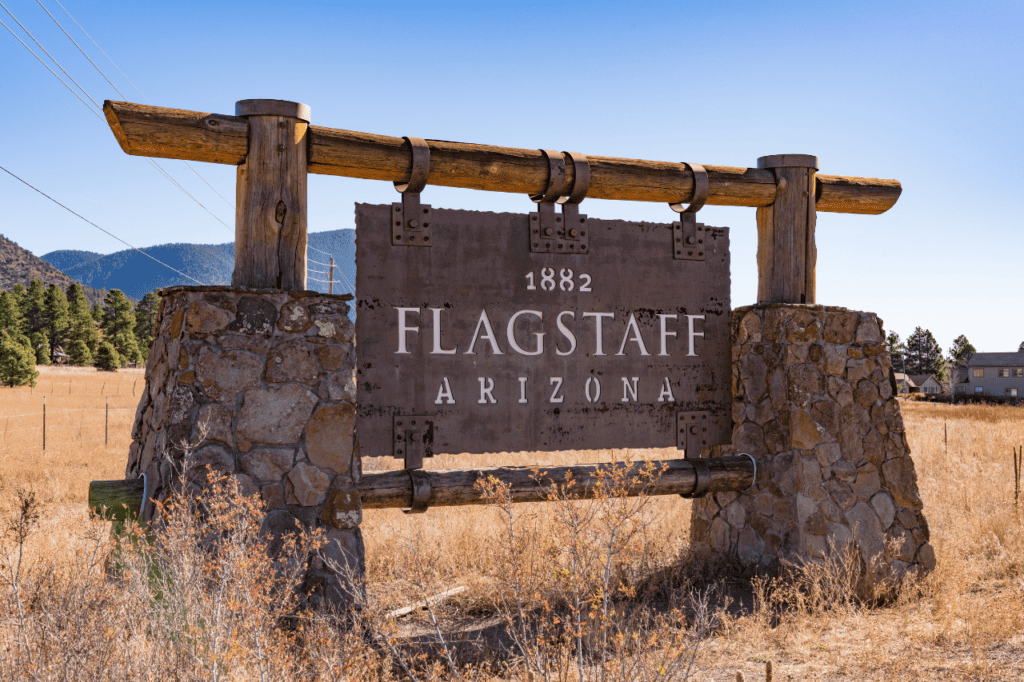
(964, 621)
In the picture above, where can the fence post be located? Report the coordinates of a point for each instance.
(106, 424)
(330, 286)
(270, 217)
(44, 422)
(786, 253)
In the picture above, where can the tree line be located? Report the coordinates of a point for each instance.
(40, 325)
(921, 354)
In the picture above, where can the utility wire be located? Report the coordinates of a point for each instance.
(98, 107)
(98, 227)
(123, 96)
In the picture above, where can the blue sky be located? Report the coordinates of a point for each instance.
(927, 93)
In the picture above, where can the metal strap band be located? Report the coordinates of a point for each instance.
(420, 491)
(702, 478)
(420, 167)
(700, 190)
(580, 181)
(556, 179)
(754, 461)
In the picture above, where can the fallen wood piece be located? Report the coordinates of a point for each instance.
(451, 487)
(406, 610)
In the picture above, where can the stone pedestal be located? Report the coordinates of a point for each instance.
(258, 385)
(813, 401)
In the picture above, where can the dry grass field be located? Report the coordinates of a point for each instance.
(963, 622)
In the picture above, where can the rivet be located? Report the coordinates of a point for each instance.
(547, 231)
(426, 239)
(399, 450)
(414, 223)
(689, 240)
(426, 210)
(280, 147)
(535, 231)
(426, 224)
(399, 423)
(574, 233)
(535, 245)
(533, 217)
(558, 219)
(583, 234)
(398, 209)
(398, 223)
(561, 245)
(398, 237)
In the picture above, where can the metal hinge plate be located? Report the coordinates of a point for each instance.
(413, 438)
(692, 433)
(410, 222)
(688, 239)
(558, 232)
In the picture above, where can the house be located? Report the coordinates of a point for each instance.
(917, 383)
(994, 375)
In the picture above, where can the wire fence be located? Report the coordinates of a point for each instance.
(49, 423)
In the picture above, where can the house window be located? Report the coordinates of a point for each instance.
(979, 373)
(1011, 392)
(978, 389)
(1019, 372)
(1004, 373)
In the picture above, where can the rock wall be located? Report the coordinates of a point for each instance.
(258, 385)
(813, 401)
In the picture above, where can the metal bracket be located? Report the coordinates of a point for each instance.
(420, 491)
(688, 234)
(410, 220)
(702, 480)
(564, 232)
(413, 438)
(692, 432)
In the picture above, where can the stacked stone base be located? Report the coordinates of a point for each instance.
(813, 401)
(259, 385)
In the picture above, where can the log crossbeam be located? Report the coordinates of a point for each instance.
(144, 130)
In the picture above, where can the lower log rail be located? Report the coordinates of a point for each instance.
(456, 487)
(120, 500)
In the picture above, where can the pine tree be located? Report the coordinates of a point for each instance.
(58, 319)
(40, 345)
(924, 355)
(145, 318)
(17, 363)
(119, 325)
(33, 308)
(97, 314)
(961, 352)
(10, 314)
(83, 326)
(896, 351)
(107, 359)
(80, 354)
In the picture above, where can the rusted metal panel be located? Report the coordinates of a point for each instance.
(499, 347)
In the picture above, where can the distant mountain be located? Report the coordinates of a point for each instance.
(136, 274)
(19, 266)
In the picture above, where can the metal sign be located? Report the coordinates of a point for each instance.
(483, 342)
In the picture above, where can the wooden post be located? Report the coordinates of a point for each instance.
(44, 422)
(106, 424)
(786, 254)
(270, 197)
(330, 279)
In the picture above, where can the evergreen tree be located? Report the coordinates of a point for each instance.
(145, 318)
(107, 359)
(17, 363)
(33, 308)
(10, 314)
(119, 325)
(896, 351)
(961, 351)
(83, 326)
(97, 314)
(80, 354)
(924, 355)
(40, 345)
(56, 314)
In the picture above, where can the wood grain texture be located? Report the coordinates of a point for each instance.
(270, 206)
(456, 487)
(173, 133)
(786, 251)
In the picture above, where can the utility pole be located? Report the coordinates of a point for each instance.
(330, 285)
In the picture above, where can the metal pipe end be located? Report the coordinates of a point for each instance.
(754, 462)
(273, 107)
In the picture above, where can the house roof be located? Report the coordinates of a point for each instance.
(920, 379)
(997, 359)
(903, 378)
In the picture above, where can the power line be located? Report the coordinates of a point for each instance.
(98, 227)
(151, 161)
(118, 91)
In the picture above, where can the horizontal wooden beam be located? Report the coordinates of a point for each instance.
(144, 130)
(456, 487)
